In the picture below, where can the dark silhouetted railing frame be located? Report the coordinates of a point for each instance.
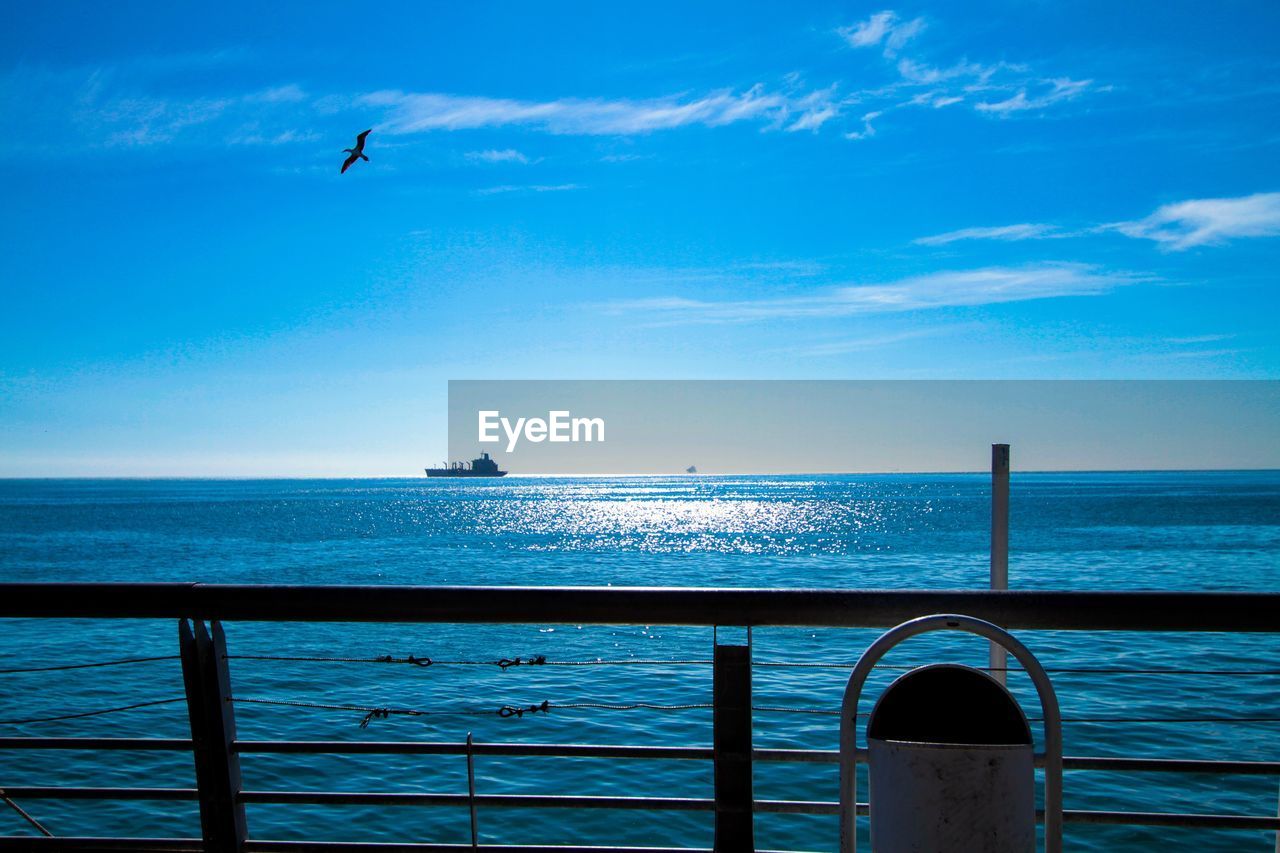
(216, 750)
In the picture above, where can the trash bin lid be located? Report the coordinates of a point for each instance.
(948, 703)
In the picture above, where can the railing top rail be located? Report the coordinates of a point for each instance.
(862, 608)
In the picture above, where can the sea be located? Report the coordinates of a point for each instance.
(1077, 531)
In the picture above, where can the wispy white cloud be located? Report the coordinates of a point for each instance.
(1187, 354)
(112, 107)
(814, 119)
(410, 112)
(134, 105)
(869, 32)
(251, 136)
(985, 286)
(788, 268)
(118, 106)
(1206, 221)
(934, 99)
(1179, 226)
(994, 89)
(1022, 231)
(506, 155)
(868, 130)
(138, 121)
(287, 94)
(882, 28)
(975, 74)
(529, 188)
(624, 158)
(1058, 89)
(1198, 339)
(901, 34)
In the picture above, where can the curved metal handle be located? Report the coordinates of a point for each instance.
(952, 622)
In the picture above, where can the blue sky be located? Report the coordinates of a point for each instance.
(998, 190)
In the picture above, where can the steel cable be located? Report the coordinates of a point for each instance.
(55, 668)
(95, 713)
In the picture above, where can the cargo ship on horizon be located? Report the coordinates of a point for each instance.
(481, 466)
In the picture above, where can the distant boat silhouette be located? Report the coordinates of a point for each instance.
(356, 153)
(692, 469)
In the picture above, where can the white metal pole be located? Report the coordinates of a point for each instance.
(999, 659)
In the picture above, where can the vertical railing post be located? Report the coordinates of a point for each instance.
(213, 732)
(731, 697)
(999, 658)
(471, 792)
(195, 711)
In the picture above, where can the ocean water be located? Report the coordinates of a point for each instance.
(1164, 531)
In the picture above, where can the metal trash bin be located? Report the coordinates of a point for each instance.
(950, 753)
(951, 766)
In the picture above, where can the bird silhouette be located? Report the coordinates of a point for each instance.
(356, 153)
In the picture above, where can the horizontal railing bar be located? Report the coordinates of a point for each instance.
(395, 798)
(192, 845)
(1071, 762)
(808, 756)
(803, 807)
(1022, 609)
(817, 756)
(186, 845)
(556, 750)
(139, 744)
(1202, 821)
(1195, 821)
(93, 845)
(1171, 765)
(1180, 819)
(784, 807)
(41, 792)
(252, 846)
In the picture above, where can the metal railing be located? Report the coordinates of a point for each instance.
(216, 749)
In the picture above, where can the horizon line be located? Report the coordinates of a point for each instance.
(674, 474)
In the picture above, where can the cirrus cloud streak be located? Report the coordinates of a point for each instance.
(946, 289)
(410, 112)
(1176, 227)
(1207, 221)
(1021, 231)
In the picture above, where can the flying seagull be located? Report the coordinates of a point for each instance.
(356, 153)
